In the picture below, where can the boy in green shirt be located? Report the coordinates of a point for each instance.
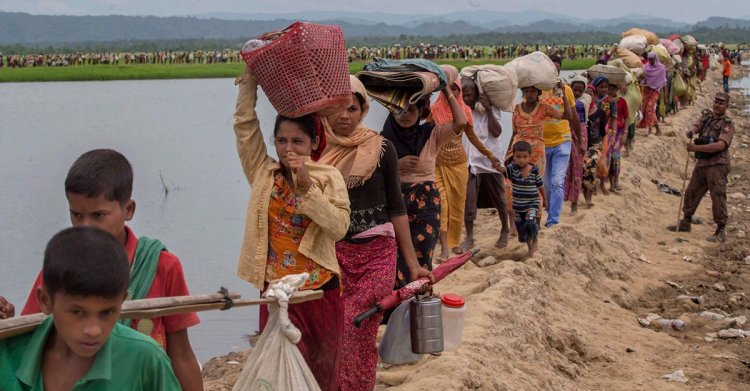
(81, 346)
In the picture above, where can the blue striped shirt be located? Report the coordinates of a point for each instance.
(525, 189)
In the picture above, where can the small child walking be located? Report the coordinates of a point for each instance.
(528, 189)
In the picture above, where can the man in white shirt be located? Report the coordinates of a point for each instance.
(485, 185)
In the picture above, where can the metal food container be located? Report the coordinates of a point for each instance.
(426, 319)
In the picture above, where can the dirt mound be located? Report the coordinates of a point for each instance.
(566, 319)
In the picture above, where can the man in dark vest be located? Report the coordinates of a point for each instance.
(714, 131)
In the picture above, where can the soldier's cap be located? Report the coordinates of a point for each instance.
(723, 96)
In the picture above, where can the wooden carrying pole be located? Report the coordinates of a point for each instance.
(162, 306)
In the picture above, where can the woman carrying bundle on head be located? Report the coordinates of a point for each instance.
(297, 211)
(417, 145)
(379, 228)
(451, 171)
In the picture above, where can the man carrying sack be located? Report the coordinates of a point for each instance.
(714, 130)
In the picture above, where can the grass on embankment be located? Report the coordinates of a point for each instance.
(184, 71)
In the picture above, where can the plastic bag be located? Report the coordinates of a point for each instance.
(497, 82)
(276, 363)
(395, 347)
(535, 70)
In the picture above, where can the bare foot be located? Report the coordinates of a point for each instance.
(603, 187)
(533, 246)
(502, 242)
(458, 250)
(467, 245)
(573, 208)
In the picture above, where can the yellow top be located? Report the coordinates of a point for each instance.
(326, 203)
(557, 131)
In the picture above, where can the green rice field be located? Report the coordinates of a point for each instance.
(185, 71)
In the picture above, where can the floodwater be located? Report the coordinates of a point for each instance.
(176, 133)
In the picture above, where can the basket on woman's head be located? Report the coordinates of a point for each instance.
(303, 69)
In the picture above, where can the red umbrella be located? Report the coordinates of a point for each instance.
(416, 286)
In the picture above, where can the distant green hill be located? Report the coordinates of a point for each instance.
(21, 32)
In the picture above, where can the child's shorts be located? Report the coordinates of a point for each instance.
(526, 225)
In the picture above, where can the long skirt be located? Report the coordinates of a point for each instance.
(650, 98)
(367, 272)
(574, 177)
(590, 163)
(322, 325)
(451, 182)
(614, 153)
(422, 201)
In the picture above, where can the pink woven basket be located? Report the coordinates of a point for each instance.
(303, 70)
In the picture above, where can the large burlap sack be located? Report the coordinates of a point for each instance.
(679, 87)
(498, 83)
(634, 43)
(535, 70)
(664, 57)
(614, 74)
(671, 47)
(689, 41)
(650, 37)
(630, 59)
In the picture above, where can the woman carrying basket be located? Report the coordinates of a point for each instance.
(379, 228)
(297, 211)
(417, 145)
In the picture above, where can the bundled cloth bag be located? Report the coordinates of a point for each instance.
(497, 82)
(651, 38)
(398, 84)
(303, 69)
(633, 94)
(713, 61)
(679, 45)
(677, 59)
(276, 363)
(631, 59)
(634, 43)
(689, 41)
(664, 57)
(614, 74)
(679, 87)
(671, 47)
(534, 70)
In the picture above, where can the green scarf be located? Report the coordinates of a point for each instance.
(143, 270)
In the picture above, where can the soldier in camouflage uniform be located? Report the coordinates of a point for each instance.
(714, 131)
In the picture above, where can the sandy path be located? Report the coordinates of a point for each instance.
(563, 319)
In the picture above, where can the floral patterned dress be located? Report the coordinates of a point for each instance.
(285, 231)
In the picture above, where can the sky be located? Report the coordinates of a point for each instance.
(678, 10)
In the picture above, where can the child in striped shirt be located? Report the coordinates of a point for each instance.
(528, 189)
